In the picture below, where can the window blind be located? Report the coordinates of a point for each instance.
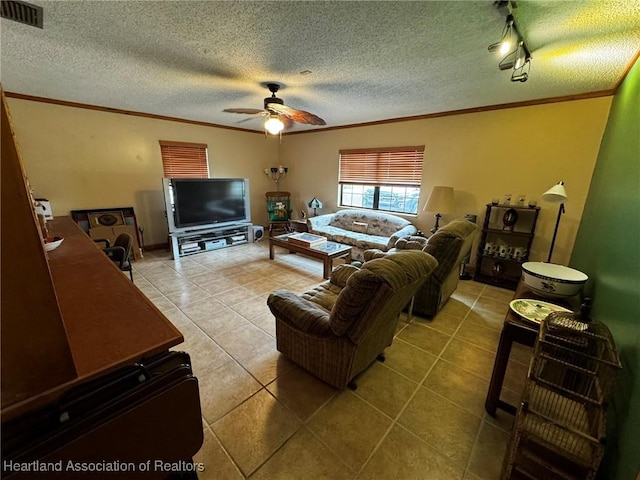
(382, 166)
(184, 160)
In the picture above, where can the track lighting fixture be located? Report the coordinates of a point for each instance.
(521, 77)
(508, 62)
(503, 46)
(516, 55)
(521, 56)
(522, 61)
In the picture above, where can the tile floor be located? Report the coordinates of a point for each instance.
(418, 415)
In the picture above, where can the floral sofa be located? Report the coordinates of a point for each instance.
(362, 229)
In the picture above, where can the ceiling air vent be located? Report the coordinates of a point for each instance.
(22, 12)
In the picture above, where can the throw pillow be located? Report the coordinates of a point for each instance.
(359, 227)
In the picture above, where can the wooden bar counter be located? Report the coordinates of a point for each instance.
(112, 329)
(86, 371)
(109, 322)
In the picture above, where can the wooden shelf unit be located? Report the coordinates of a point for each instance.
(505, 270)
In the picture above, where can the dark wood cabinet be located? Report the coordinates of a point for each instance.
(73, 326)
(505, 243)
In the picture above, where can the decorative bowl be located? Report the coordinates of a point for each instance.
(553, 281)
(51, 243)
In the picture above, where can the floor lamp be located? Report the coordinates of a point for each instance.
(440, 201)
(556, 194)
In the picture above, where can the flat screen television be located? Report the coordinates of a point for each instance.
(197, 203)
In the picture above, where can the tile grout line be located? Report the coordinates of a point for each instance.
(325, 445)
(420, 384)
(467, 468)
(232, 358)
(304, 423)
(223, 448)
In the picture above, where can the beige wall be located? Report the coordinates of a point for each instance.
(481, 155)
(82, 159)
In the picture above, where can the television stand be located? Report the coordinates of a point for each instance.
(207, 239)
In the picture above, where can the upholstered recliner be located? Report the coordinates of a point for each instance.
(337, 329)
(449, 245)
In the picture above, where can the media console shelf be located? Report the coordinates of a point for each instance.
(204, 240)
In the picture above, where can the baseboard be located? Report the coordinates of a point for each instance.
(156, 246)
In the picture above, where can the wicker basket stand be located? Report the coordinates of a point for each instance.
(559, 430)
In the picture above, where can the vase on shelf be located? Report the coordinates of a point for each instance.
(509, 219)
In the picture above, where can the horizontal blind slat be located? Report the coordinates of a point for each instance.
(165, 143)
(184, 160)
(417, 148)
(396, 165)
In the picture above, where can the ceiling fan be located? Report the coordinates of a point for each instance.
(279, 115)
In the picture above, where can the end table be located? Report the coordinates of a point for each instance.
(299, 225)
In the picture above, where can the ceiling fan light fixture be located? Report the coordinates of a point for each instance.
(273, 125)
(278, 115)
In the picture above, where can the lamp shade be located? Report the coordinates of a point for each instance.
(440, 200)
(556, 194)
(314, 203)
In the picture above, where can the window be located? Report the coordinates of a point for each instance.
(184, 160)
(381, 178)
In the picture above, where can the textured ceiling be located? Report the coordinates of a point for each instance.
(369, 61)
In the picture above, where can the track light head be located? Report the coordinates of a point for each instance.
(506, 64)
(504, 44)
(522, 55)
(523, 77)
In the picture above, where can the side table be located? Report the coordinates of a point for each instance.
(516, 329)
(298, 225)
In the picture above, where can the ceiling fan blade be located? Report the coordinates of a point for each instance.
(288, 123)
(263, 113)
(250, 111)
(299, 116)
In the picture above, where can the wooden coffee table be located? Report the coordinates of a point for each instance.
(325, 252)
